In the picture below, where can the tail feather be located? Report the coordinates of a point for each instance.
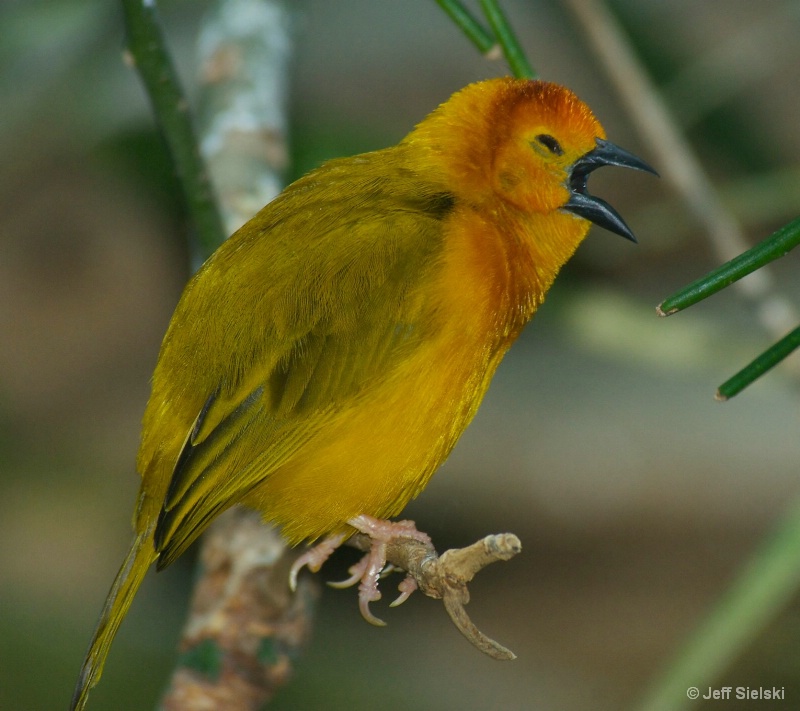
(140, 557)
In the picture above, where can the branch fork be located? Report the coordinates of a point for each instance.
(445, 577)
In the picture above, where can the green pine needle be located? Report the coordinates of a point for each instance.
(754, 370)
(517, 61)
(474, 31)
(148, 53)
(501, 33)
(772, 248)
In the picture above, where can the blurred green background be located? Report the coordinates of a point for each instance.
(637, 497)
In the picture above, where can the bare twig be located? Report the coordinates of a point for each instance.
(245, 627)
(445, 577)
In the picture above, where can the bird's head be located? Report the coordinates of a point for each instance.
(532, 144)
(551, 143)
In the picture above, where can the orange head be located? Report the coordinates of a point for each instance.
(530, 144)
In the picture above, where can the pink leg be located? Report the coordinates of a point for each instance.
(381, 532)
(368, 570)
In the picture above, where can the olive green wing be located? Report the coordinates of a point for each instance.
(339, 309)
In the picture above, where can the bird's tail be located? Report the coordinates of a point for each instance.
(140, 556)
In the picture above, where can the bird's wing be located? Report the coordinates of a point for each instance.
(336, 313)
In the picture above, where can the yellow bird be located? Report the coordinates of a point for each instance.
(324, 361)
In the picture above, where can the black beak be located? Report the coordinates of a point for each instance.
(592, 208)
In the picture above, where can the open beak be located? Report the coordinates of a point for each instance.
(593, 208)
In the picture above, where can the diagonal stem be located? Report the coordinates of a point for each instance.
(148, 53)
(517, 61)
(772, 248)
(463, 19)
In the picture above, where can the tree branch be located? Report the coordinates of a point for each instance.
(244, 628)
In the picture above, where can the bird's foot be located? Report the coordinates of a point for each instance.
(368, 570)
(314, 557)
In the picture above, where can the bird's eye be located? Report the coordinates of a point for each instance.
(551, 144)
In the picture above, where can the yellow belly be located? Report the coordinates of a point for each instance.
(377, 455)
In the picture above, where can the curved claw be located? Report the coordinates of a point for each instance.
(373, 564)
(370, 568)
(356, 573)
(408, 586)
(293, 574)
(363, 605)
(314, 558)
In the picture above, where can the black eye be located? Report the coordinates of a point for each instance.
(551, 144)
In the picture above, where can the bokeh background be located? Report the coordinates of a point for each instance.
(636, 495)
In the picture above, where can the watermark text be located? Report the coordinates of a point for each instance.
(773, 693)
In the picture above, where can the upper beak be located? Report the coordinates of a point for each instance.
(593, 208)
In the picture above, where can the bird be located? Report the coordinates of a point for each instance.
(322, 363)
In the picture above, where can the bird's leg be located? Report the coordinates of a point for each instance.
(368, 569)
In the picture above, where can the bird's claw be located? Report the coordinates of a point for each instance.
(356, 573)
(371, 567)
(408, 586)
(314, 557)
(373, 564)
